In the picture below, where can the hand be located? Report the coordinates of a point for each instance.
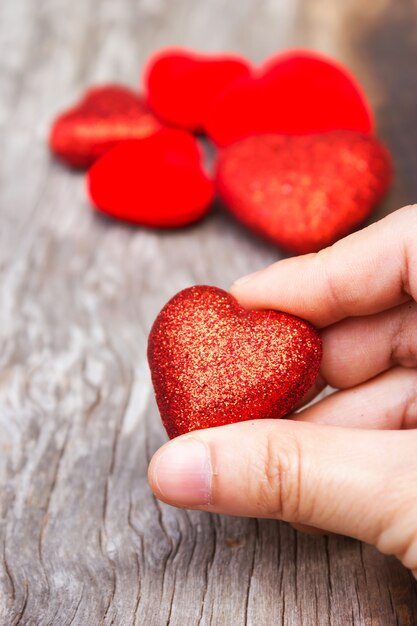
(346, 464)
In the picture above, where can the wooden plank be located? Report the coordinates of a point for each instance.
(82, 539)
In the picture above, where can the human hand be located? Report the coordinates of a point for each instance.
(347, 463)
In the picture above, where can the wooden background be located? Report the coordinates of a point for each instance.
(82, 540)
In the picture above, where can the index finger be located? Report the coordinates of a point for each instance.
(364, 273)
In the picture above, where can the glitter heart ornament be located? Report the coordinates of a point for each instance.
(214, 362)
(181, 85)
(303, 192)
(157, 181)
(105, 115)
(296, 92)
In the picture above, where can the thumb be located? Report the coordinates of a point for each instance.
(355, 482)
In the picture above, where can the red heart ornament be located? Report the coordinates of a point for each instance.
(156, 181)
(293, 93)
(303, 192)
(214, 362)
(181, 86)
(105, 116)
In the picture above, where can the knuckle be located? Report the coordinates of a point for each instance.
(342, 297)
(408, 404)
(407, 235)
(278, 477)
(410, 411)
(409, 556)
(400, 539)
(396, 533)
(404, 337)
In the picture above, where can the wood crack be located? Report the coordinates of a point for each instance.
(208, 568)
(9, 575)
(138, 594)
(77, 606)
(79, 293)
(49, 496)
(112, 592)
(22, 610)
(251, 569)
(329, 571)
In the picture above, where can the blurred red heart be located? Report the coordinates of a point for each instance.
(293, 93)
(156, 181)
(304, 192)
(181, 85)
(215, 363)
(105, 116)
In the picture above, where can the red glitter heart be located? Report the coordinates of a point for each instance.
(181, 85)
(303, 192)
(294, 93)
(213, 362)
(157, 181)
(105, 116)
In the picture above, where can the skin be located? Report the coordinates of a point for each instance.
(346, 464)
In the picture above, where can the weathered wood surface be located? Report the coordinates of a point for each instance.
(82, 540)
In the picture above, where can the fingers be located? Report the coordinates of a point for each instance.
(388, 401)
(320, 476)
(358, 349)
(365, 273)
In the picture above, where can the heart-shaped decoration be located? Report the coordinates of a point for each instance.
(182, 85)
(156, 181)
(105, 116)
(214, 362)
(303, 192)
(293, 93)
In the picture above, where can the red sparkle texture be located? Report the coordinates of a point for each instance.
(296, 93)
(105, 116)
(304, 192)
(214, 362)
(299, 164)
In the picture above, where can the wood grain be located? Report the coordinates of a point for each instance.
(82, 540)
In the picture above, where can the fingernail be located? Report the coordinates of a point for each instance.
(245, 279)
(182, 473)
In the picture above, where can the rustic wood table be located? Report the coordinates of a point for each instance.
(82, 540)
